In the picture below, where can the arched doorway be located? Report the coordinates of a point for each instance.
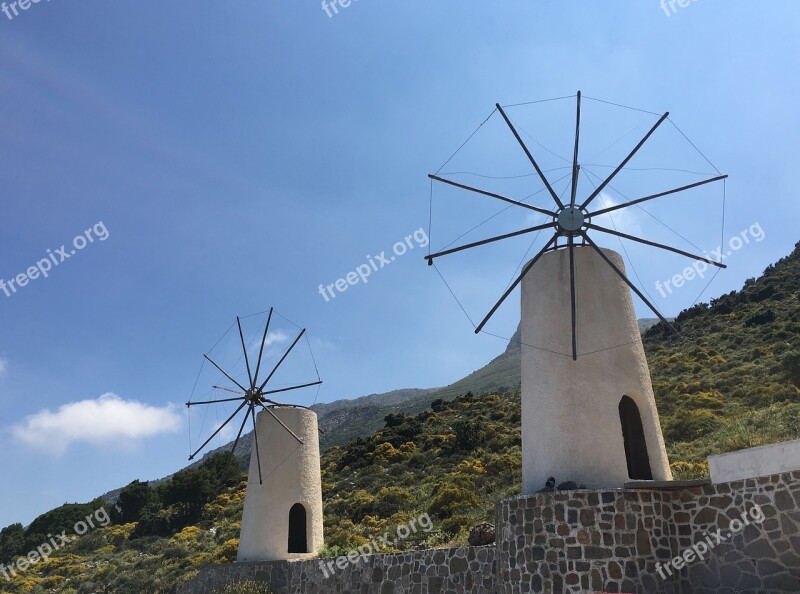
(635, 443)
(297, 529)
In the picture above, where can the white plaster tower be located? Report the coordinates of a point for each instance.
(282, 516)
(592, 420)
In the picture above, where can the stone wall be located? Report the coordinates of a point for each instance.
(468, 570)
(762, 557)
(584, 541)
(623, 540)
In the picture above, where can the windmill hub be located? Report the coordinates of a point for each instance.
(570, 219)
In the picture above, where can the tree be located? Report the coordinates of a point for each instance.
(224, 470)
(394, 420)
(132, 500)
(154, 521)
(12, 541)
(438, 405)
(61, 518)
(189, 490)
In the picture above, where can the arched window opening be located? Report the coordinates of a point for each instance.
(635, 443)
(298, 542)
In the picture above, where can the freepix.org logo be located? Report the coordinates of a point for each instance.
(332, 8)
(11, 9)
(705, 545)
(373, 264)
(376, 545)
(55, 542)
(699, 268)
(55, 257)
(670, 7)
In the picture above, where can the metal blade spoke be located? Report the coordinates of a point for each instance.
(225, 374)
(485, 241)
(261, 350)
(286, 354)
(654, 244)
(628, 282)
(530, 157)
(515, 283)
(292, 388)
(274, 416)
(572, 296)
(226, 389)
(230, 418)
(635, 150)
(244, 349)
(236, 442)
(575, 166)
(492, 195)
(214, 401)
(258, 454)
(659, 195)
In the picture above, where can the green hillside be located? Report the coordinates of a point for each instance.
(343, 423)
(728, 380)
(344, 420)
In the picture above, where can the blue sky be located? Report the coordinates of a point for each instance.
(240, 154)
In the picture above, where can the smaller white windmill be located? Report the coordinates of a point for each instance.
(282, 516)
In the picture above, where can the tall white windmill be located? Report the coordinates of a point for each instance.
(588, 409)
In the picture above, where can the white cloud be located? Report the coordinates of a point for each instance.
(627, 220)
(3, 367)
(106, 419)
(277, 337)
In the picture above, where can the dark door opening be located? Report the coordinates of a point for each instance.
(635, 443)
(297, 529)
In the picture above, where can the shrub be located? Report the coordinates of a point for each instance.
(448, 500)
(468, 435)
(791, 364)
(391, 500)
(394, 420)
(691, 425)
(228, 551)
(761, 318)
(689, 470)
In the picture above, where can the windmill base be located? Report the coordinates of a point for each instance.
(592, 421)
(282, 516)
